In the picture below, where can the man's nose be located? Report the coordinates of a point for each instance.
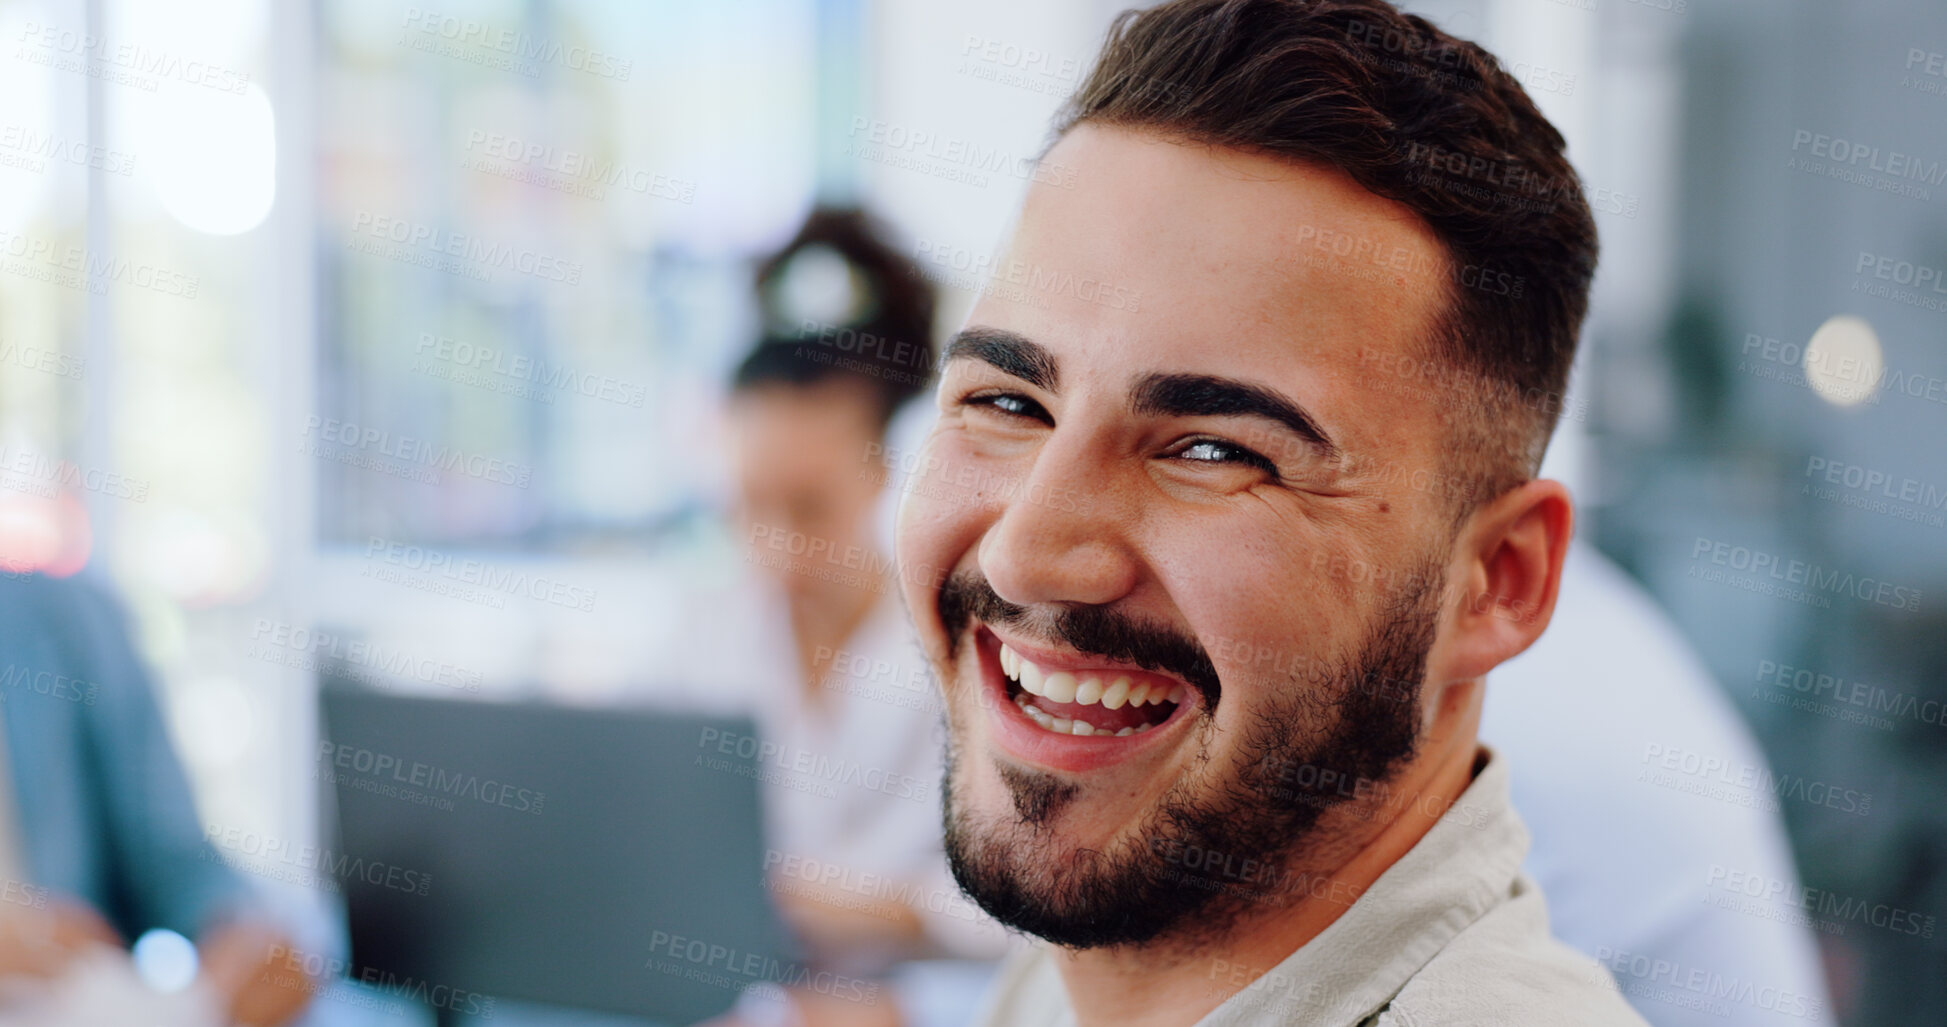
(1061, 536)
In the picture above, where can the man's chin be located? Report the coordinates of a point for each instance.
(1040, 882)
(1020, 844)
(995, 790)
(1083, 862)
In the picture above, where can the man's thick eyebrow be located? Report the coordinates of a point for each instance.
(1014, 354)
(1203, 395)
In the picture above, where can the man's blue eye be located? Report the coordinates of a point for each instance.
(1214, 451)
(1011, 403)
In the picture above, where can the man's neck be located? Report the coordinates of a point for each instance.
(1171, 983)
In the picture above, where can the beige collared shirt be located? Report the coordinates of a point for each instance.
(1452, 935)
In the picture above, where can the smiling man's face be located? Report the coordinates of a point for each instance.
(1178, 476)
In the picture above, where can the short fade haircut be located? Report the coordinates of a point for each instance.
(1413, 115)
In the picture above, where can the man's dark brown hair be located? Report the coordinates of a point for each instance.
(1416, 116)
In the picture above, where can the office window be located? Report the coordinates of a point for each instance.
(534, 227)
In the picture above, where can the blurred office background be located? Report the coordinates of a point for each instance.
(318, 236)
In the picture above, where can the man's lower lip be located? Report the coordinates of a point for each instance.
(1028, 741)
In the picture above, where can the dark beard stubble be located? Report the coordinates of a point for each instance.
(1211, 852)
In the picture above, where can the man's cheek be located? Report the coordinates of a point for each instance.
(965, 689)
(974, 695)
(930, 515)
(917, 544)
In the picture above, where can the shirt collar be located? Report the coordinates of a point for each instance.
(1462, 867)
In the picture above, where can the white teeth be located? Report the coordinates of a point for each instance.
(1030, 677)
(1066, 687)
(1115, 695)
(1059, 725)
(1034, 712)
(1068, 726)
(1089, 692)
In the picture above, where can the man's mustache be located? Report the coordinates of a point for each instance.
(1099, 631)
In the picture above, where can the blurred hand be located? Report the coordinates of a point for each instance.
(241, 962)
(815, 1010)
(845, 927)
(811, 1009)
(43, 943)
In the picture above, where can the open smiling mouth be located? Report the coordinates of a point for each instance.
(1089, 703)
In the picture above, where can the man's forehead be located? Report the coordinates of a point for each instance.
(1179, 256)
(1111, 163)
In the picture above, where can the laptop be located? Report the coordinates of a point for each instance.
(598, 859)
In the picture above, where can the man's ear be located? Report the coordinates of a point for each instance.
(1503, 579)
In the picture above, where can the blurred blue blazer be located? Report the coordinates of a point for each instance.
(105, 813)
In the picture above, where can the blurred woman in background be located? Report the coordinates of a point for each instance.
(812, 640)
